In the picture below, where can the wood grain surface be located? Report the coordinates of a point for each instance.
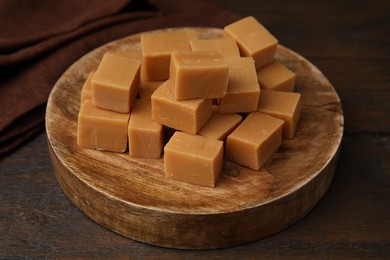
(349, 43)
(132, 196)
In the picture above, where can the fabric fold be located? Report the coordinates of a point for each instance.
(46, 19)
(26, 80)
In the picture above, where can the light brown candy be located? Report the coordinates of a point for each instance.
(101, 129)
(227, 46)
(86, 91)
(147, 88)
(193, 159)
(277, 77)
(243, 90)
(253, 40)
(145, 135)
(220, 126)
(115, 83)
(157, 48)
(198, 74)
(129, 54)
(283, 105)
(255, 140)
(186, 115)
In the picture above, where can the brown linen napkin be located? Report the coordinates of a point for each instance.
(39, 40)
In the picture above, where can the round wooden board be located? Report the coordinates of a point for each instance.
(133, 197)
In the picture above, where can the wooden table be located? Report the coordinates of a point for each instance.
(349, 43)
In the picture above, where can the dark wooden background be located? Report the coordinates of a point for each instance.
(349, 42)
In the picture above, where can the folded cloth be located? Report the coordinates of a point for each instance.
(39, 40)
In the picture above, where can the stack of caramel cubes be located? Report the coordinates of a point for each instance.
(225, 99)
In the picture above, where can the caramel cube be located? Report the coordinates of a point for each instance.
(115, 83)
(283, 105)
(101, 129)
(157, 48)
(86, 91)
(145, 135)
(198, 74)
(192, 34)
(133, 55)
(227, 46)
(187, 115)
(277, 77)
(129, 54)
(243, 89)
(193, 159)
(253, 40)
(255, 140)
(147, 88)
(220, 126)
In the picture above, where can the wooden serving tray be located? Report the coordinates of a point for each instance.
(133, 197)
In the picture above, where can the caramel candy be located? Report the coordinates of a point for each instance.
(254, 141)
(187, 115)
(86, 91)
(115, 83)
(227, 46)
(192, 34)
(145, 135)
(101, 129)
(276, 77)
(220, 126)
(147, 88)
(193, 159)
(253, 40)
(157, 48)
(133, 55)
(129, 54)
(243, 89)
(283, 105)
(198, 74)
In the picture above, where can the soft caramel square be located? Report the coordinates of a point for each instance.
(227, 46)
(86, 91)
(277, 77)
(115, 83)
(220, 126)
(253, 40)
(133, 55)
(255, 140)
(198, 74)
(101, 129)
(145, 135)
(243, 90)
(193, 159)
(283, 105)
(157, 48)
(147, 88)
(129, 54)
(186, 115)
